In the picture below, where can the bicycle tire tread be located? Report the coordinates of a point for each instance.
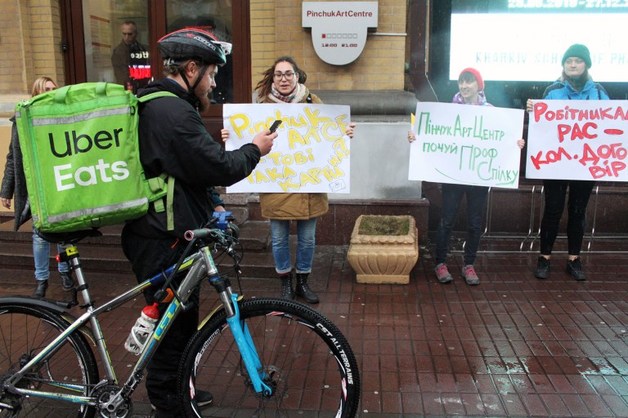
(258, 307)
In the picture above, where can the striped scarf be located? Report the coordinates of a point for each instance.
(298, 95)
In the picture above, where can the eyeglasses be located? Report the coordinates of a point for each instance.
(288, 74)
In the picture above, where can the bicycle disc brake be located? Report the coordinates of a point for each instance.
(272, 379)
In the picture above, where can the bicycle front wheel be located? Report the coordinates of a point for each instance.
(309, 364)
(24, 331)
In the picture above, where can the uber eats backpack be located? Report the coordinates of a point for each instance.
(81, 159)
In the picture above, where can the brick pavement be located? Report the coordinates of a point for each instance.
(512, 346)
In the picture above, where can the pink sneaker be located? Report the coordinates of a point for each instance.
(442, 274)
(468, 272)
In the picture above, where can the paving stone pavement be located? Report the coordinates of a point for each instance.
(512, 346)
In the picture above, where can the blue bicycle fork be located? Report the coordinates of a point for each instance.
(247, 349)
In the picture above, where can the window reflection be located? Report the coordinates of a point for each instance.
(213, 16)
(130, 59)
(115, 36)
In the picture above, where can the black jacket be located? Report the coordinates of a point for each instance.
(173, 140)
(14, 182)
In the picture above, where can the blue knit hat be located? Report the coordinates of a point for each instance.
(578, 51)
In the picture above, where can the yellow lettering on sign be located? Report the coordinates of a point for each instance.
(239, 122)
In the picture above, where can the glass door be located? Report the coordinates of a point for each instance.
(116, 34)
(93, 29)
(216, 17)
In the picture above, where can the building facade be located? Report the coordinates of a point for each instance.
(73, 41)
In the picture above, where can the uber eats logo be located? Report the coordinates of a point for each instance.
(70, 145)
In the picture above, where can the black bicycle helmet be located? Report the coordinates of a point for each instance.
(191, 43)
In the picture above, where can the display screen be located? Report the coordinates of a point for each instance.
(524, 40)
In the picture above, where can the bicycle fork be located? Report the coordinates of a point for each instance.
(239, 329)
(245, 344)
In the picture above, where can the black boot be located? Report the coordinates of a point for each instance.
(574, 268)
(286, 286)
(542, 268)
(40, 290)
(303, 290)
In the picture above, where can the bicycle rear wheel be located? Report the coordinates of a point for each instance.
(24, 331)
(310, 363)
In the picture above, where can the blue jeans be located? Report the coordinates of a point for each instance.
(476, 201)
(41, 255)
(555, 195)
(306, 241)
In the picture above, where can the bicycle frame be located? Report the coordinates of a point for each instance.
(201, 265)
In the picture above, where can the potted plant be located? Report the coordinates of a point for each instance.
(383, 248)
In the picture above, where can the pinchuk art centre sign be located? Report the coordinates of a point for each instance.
(339, 29)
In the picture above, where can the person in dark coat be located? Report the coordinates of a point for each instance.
(14, 188)
(173, 140)
(130, 59)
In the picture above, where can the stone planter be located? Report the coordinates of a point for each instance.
(380, 259)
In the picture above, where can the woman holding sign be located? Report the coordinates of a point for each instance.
(284, 82)
(575, 83)
(470, 92)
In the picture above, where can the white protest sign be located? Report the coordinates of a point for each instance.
(578, 140)
(473, 145)
(310, 154)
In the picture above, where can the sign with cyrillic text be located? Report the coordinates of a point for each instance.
(473, 145)
(310, 154)
(578, 140)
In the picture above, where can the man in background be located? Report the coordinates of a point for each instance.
(130, 59)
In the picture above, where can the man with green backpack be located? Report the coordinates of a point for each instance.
(174, 141)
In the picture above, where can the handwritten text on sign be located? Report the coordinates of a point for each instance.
(578, 140)
(310, 154)
(474, 145)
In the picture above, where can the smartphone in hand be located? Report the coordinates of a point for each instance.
(274, 126)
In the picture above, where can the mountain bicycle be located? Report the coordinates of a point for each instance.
(258, 357)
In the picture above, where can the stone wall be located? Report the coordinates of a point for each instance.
(31, 44)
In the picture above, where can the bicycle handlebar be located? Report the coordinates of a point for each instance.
(192, 234)
(224, 237)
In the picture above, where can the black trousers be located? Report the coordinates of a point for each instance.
(148, 257)
(476, 204)
(555, 195)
